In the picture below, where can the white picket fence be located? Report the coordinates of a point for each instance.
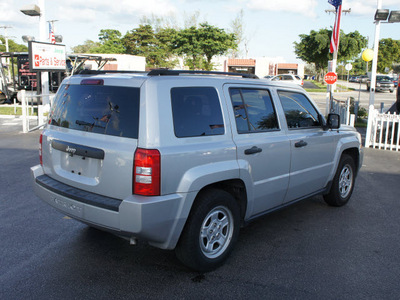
(383, 130)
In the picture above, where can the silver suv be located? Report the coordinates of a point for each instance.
(182, 160)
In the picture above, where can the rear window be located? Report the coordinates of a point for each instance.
(109, 110)
(196, 112)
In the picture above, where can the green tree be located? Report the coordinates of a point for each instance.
(214, 41)
(12, 46)
(360, 66)
(388, 54)
(186, 43)
(110, 42)
(314, 47)
(200, 45)
(87, 47)
(156, 47)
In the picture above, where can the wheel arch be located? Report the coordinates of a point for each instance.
(354, 153)
(234, 187)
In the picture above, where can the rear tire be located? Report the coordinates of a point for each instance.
(343, 182)
(210, 232)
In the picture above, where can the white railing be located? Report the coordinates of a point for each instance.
(342, 108)
(383, 130)
(42, 111)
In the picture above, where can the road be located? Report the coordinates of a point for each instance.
(306, 251)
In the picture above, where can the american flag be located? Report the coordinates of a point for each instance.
(336, 28)
(52, 38)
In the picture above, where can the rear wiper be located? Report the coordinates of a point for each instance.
(83, 123)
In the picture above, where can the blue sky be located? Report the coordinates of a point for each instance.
(271, 26)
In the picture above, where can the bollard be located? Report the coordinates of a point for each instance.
(356, 106)
(24, 116)
(382, 106)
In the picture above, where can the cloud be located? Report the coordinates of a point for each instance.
(113, 10)
(367, 7)
(304, 7)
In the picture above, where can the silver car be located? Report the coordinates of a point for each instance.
(183, 160)
(289, 78)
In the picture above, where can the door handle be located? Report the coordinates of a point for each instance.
(252, 150)
(300, 144)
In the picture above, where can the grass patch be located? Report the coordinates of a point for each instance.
(322, 87)
(360, 124)
(9, 111)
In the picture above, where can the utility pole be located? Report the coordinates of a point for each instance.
(7, 50)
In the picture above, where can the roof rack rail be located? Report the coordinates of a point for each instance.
(91, 72)
(166, 72)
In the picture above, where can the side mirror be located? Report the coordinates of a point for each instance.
(333, 121)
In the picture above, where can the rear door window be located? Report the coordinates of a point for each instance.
(110, 110)
(196, 112)
(254, 111)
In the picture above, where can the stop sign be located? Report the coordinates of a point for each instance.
(330, 77)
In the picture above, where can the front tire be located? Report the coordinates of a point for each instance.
(343, 182)
(210, 232)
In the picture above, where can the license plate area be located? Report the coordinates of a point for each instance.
(80, 165)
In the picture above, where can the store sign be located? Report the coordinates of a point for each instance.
(46, 57)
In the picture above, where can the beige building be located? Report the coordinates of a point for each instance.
(261, 67)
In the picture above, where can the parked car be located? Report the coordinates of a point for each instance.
(353, 79)
(182, 160)
(383, 83)
(289, 78)
(362, 78)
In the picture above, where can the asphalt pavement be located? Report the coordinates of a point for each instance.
(306, 251)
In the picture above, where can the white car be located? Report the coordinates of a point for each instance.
(289, 78)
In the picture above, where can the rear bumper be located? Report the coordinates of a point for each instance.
(159, 220)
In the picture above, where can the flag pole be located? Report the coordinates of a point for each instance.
(334, 45)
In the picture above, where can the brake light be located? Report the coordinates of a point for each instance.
(40, 149)
(92, 82)
(146, 172)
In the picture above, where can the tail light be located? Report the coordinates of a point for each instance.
(146, 172)
(40, 149)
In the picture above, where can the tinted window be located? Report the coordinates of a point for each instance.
(253, 110)
(196, 111)
(299, 111)
(101, 109)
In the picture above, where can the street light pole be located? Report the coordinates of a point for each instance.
(43, 38)
(375, 59)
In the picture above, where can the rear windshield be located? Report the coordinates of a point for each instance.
(109, 110)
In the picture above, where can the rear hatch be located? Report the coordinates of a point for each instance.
(92, 135)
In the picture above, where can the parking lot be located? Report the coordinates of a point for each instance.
(306, 251)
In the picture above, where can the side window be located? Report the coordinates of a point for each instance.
(196, 112)
(299, 111)
(253, 110)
